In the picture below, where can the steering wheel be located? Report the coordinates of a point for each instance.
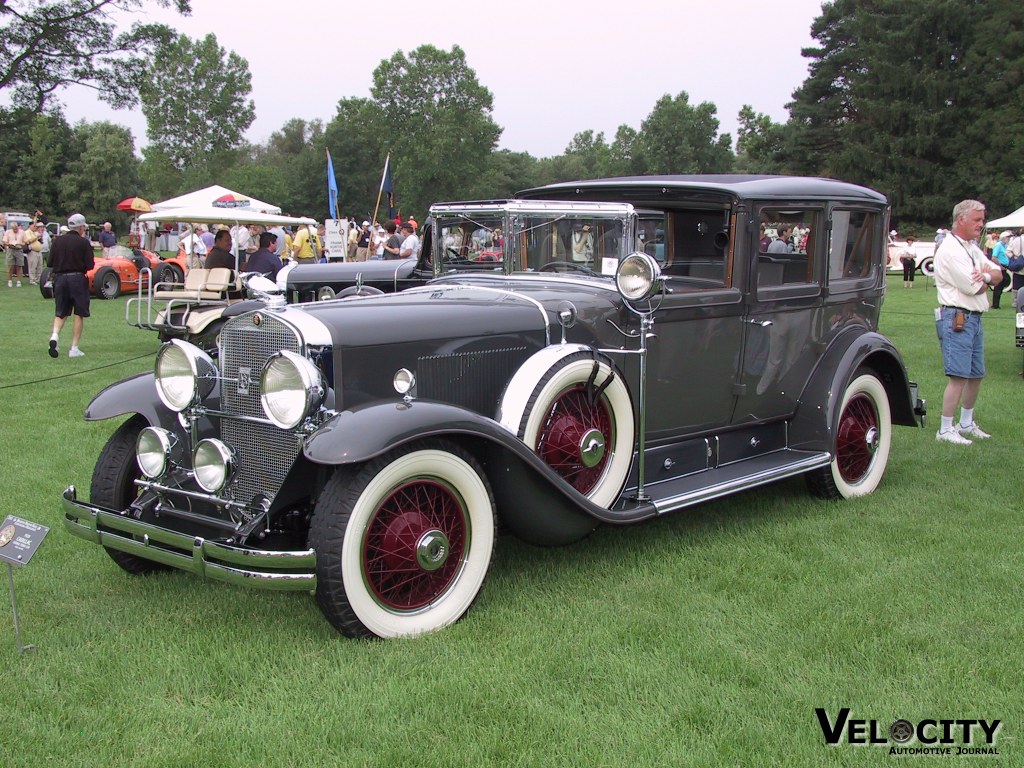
(566, 266)
(452, 255)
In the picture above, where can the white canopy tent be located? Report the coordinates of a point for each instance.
(204, 214)
(1013, 220)
(229, 200)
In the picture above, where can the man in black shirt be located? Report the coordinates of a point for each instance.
(220, 255)
(71, 257)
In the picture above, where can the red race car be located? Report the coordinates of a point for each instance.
(119, 272)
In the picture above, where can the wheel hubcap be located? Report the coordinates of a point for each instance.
(592, 449)
(432, 550)
(871, 439)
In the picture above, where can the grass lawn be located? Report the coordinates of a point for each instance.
(705, 638)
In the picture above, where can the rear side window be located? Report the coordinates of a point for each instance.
(786, 245)
(854, 241)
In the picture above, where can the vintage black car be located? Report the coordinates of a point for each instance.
(606, 352)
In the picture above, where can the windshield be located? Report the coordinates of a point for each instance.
(513, 238)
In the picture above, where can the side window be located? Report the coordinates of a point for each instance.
(854, 240)
(786, 247)
(691, 245)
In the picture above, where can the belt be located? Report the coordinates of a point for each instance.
(968, 311)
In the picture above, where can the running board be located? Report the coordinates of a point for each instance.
(698, 487)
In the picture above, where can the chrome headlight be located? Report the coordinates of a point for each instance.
(291, 388)
(155, 450)
(637, 276)
(185, 374)
(213, 463)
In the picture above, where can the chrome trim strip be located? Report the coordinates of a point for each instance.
(700, 495)
(221, 562)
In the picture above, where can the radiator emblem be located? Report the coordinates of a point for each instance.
(257, 319)
(244, 380)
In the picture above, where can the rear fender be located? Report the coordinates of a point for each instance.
(826, 388)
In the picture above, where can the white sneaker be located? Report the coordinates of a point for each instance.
(951, 436)
(973, 430)
(10, 283)
(76, 352)
(19, 283)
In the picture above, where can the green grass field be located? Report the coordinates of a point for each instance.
(706, 638)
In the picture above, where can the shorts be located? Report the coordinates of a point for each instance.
(71, 292)
(963, 352)
(12, 256)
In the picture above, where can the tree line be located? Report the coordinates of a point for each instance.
(920, 99)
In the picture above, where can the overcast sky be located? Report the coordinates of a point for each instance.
(554, 67)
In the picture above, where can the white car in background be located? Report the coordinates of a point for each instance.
(924, 255)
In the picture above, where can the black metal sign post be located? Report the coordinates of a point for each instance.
(19, 540)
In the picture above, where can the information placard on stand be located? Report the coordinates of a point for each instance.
(19, 540)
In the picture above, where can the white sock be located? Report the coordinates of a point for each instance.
(54, 336)
(946, 423)
(966, 417)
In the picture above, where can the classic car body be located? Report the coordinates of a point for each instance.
(628, 355)
(125, 269)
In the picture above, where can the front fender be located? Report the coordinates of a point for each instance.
(130, 396)
(137, 395)
(367, 431)
(362, 433)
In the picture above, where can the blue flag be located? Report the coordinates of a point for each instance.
(388, 187)
(332, 188)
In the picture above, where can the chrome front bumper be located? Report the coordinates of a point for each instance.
(262, 569)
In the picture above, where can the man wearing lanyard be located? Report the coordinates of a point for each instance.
(962, 277)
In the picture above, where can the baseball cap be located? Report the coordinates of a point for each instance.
(76, 220)
(1006, 233)
(366, 223)
(407, 225)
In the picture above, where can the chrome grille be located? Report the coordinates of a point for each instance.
(263, 452)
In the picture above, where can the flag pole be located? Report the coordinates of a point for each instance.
(380, 191)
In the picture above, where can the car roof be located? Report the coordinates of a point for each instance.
(553, 207)
(738, 186)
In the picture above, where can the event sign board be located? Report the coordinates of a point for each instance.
(336, 238)
(19, 539)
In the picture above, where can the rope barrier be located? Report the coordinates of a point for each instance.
(75, 373)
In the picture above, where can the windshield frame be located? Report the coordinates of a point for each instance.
(515, 217)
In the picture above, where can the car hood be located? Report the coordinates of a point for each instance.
(431, 312)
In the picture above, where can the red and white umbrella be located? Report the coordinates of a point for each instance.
(134, 204)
